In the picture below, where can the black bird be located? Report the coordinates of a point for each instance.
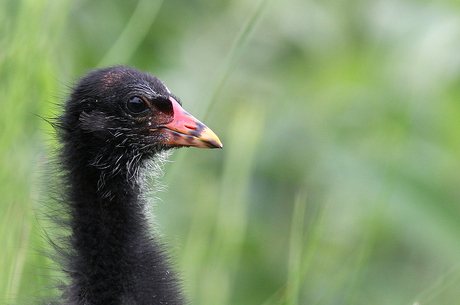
(115, 120)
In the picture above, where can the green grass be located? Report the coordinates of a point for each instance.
(338, 181)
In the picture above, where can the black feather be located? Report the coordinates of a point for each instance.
(114, 259)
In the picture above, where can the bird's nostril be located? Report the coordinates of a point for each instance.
(190, 126)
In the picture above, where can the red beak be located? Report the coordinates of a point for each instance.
(185, 130)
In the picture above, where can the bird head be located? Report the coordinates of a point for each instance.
(123, 108)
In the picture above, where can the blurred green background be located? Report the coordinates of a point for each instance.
(339, 181)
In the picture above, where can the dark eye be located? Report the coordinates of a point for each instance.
(136, 105)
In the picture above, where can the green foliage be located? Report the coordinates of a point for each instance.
(338, 182)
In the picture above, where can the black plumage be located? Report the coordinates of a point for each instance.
(115, 120)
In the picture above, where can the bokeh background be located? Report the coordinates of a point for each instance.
(339, 181)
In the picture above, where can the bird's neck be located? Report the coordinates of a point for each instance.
(115, 260)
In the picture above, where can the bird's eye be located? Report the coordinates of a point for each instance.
(136, 104)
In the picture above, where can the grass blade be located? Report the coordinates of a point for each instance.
(134, 32)
(296, 241)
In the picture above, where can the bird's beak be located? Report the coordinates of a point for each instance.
(185, 130)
